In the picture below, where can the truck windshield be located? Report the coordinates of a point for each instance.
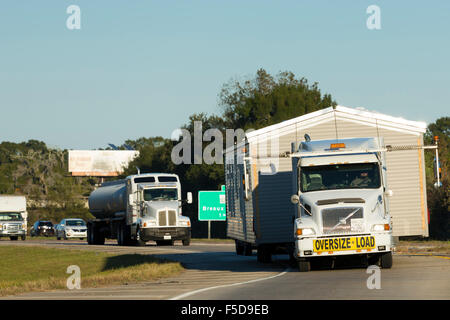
(345, 176)
(160, 194)
(10, 216)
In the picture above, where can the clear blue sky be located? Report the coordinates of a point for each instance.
(140, 68)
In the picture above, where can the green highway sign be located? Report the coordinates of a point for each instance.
(211, 205)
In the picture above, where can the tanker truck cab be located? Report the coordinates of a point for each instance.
(160, 217)
(138, 209)
(342, 205)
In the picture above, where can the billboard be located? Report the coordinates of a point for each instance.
(100, 163)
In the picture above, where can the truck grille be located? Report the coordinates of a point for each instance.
(342, 220)
(167, 218)
(13, 227)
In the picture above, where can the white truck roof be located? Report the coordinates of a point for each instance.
(342, 151)
(9, 203)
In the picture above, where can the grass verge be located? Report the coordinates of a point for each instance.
(423, 246)
(26, 269)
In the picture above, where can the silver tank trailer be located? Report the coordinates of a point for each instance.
(110, 198)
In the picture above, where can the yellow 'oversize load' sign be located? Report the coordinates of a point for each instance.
(339, 244)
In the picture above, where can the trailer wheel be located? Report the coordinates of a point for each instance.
(120, 235)
(304, 265)
(386, 260)
(239, 247)
(264, 254)
(247, 249)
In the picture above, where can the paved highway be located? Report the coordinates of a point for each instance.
(214, 271)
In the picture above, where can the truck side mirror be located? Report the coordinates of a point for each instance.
(189, 197)
(295, 199)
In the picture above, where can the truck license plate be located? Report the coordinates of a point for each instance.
(340, 244)
(167, 237)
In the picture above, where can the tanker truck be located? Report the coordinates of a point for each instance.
(137, 209)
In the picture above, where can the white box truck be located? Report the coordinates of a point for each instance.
(13, 217)
(137, 209)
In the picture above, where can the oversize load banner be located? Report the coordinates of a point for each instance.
(339, 244)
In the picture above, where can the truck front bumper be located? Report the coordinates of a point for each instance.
(172, 233)
(18, 233)
(310, 247)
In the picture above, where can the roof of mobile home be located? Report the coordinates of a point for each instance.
(358, 115)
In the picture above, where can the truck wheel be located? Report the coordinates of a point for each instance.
(139, 242)
(263, 254)
(94, 236)
(386, 260)
(304, 265)
(186, 241)
(247, 249)
(24, 238)
(14, 237)
(239, 248)
(120, 235)
(89, 234)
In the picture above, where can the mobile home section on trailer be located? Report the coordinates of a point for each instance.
(259, 182)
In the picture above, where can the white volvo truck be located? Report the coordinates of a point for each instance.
(137, 209)
(13, 217)
(342, 201)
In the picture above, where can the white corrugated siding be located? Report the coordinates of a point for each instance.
(405, 171)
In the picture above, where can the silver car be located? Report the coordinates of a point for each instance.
(71, 228)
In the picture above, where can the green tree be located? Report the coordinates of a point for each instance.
(439, 198)
(266, 100)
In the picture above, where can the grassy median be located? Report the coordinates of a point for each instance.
(26, 269)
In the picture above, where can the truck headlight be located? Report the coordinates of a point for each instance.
(381, 227)
(148, 223)
(185, 223)
(305, 231)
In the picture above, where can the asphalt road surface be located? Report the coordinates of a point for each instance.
(214, 271)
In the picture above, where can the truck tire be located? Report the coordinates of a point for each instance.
(304, 265)
(264, 254)
(186, 242)
(386, 260)
(24, 238)
(94, 236)
(139, 242)
(14, 237)
(120, 235)
(239, 247)
(248, 249)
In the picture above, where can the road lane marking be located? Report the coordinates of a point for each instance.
(187, 294)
